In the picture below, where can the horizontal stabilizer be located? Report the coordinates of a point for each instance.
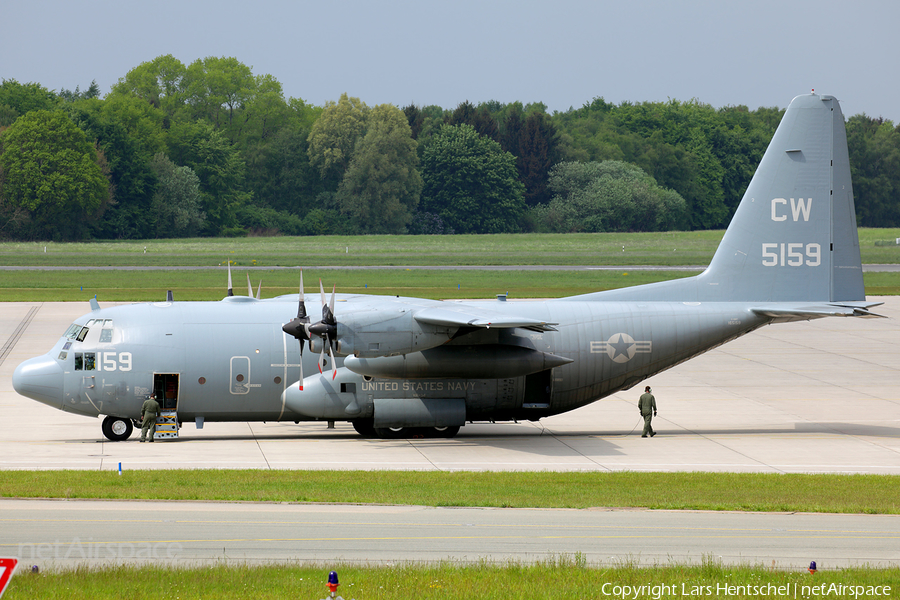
(469, 316)
(796, 313)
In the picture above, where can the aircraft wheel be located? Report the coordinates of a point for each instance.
(444, 432)
(392, 433)
(364, 427)
(117, 429)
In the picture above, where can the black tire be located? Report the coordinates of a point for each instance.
(392, 433)
(444, 432)
(364, 427)
(117, 429)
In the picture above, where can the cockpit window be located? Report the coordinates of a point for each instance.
(106, 331)
(79, 335)
(85, 361)
(73, 330)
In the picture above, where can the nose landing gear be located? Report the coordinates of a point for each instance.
(117, 429)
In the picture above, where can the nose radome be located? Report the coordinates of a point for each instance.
(40, 379)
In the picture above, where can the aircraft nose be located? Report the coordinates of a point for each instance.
(40, 379)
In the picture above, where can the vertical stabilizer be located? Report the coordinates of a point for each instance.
(793, 237)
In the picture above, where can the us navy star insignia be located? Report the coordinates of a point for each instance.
(621, 347)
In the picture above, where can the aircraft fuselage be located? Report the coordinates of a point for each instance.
(233, 362)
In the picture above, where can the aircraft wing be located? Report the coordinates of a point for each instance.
(816, 311)
(470, 316)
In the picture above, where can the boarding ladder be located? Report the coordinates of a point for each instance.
(166, 425)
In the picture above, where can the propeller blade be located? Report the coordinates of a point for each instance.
(249, 286)
(333, 369)
(230, 287)
(301, 365)
(331, 306)
(259, 290)
(299, 328)
(301, 307)
(326, 328)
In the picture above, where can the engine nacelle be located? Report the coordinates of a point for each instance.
(325, 398)
(375, 333)
(489, 361)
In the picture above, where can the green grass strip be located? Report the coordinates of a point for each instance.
(658, 248)
(150, 286)
(136, 286)
(560, 577)
(829, 493)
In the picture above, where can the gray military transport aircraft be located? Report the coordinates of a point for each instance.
(398, 366)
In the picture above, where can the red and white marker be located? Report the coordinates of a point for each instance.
(7, 567)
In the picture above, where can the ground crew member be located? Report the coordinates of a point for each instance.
(647, 406)
(149, 410)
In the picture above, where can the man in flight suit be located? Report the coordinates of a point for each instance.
(647, 406)
(149, 410)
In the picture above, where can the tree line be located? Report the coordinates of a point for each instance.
(211, 149)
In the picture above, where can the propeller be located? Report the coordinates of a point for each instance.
(326, 329)
(299, 328)
(230, 287)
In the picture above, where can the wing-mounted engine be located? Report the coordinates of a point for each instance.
(388, 331)
(488, 361)
(410, 345)
(326, 396)
(405, 338)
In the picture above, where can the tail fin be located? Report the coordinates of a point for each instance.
(793, 237)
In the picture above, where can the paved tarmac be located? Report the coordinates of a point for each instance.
(818, 396)
(68, 533)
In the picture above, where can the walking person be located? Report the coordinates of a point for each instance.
(647, 406)
(149, 410)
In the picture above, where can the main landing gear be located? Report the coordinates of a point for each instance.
(365, 428)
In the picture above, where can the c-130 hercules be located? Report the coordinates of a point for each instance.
(402, 366)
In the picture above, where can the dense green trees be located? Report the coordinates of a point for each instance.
(607, 196)
(176, 203)
(54, 179)
(380, 189)
(875, 143)
(211, 148)
(700, 152)
(471, 183)
(333, 136)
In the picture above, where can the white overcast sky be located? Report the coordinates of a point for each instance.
(561, 52)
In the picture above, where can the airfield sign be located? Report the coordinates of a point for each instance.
(7, 566)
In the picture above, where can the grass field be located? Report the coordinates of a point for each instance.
(316, 254)
(665, 248)
(134, 286)
(876, 494)
(561, 577)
